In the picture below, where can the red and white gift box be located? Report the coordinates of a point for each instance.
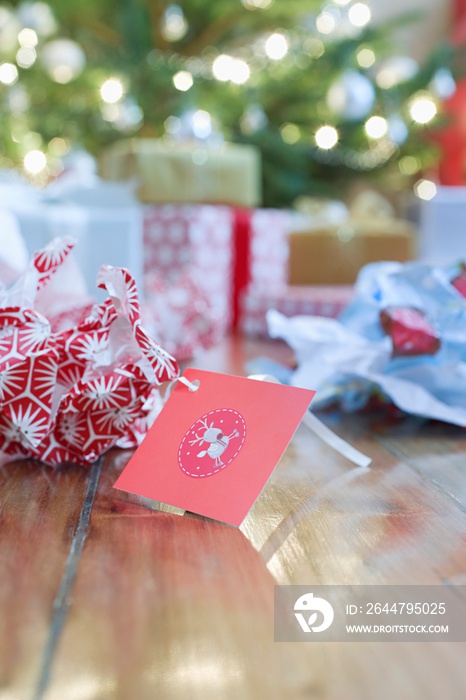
(310, 300)
(223, 249)
(193, 238)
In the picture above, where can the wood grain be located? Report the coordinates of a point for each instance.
(168, 606)
(40, 510)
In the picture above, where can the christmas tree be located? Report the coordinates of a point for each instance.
(314, 85)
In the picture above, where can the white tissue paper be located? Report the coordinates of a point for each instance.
(350, 359)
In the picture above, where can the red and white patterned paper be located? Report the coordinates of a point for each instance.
(199, 241)
(70, 395)
(194, 239)
(311, 300)
(269, 250)
(180, 315)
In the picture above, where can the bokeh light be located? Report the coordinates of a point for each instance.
(359, 14)
(365, 57)
(325, 23)
(28, 38)
(422, 109)
(376, 127)
(276, 46)
(8, 73)
(35, 162)
(111, 91)
(326, 137)
(425, 189)
(183, 80)
(26, 56)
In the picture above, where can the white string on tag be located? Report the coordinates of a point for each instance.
(192, 386)
(322, 431)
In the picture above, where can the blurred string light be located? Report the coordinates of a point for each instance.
(28, 38)
(35, 162)
(221, 67)
(240, 72)
(365, 57)
(376, 127)
(226, 68)
(58, 146)
(422, 108)
(409, 165)
(111, 91)
(425, 189)
(326, 22)
(359, 14)
(174, 24)
(326, 137)
(26, 56)
(290, 133)
(183, 80)
(276, 46)
(8, 73)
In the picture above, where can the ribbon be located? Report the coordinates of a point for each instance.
(241, 257)
(323, 432)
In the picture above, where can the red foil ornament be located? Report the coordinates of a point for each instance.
(459, 282)
(410, 331)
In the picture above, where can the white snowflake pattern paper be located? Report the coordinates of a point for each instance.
(67, 396)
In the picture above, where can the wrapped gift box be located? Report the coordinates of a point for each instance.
(172, 172)
(268, 249)
(335, 254)
(225, 250)
(105, 221)
(194, 238)
(310, 300)
(442, 236)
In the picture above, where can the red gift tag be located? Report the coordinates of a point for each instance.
(410, 331)
(211, 451)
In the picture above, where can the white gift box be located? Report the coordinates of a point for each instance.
(443, 226)
(103, 217)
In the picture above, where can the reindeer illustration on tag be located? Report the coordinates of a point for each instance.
(218, 442)
(218, 431)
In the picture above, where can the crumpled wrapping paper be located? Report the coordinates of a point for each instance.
(68, 394)
(403, 337)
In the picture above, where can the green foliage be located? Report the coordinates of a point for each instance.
(125, 39)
